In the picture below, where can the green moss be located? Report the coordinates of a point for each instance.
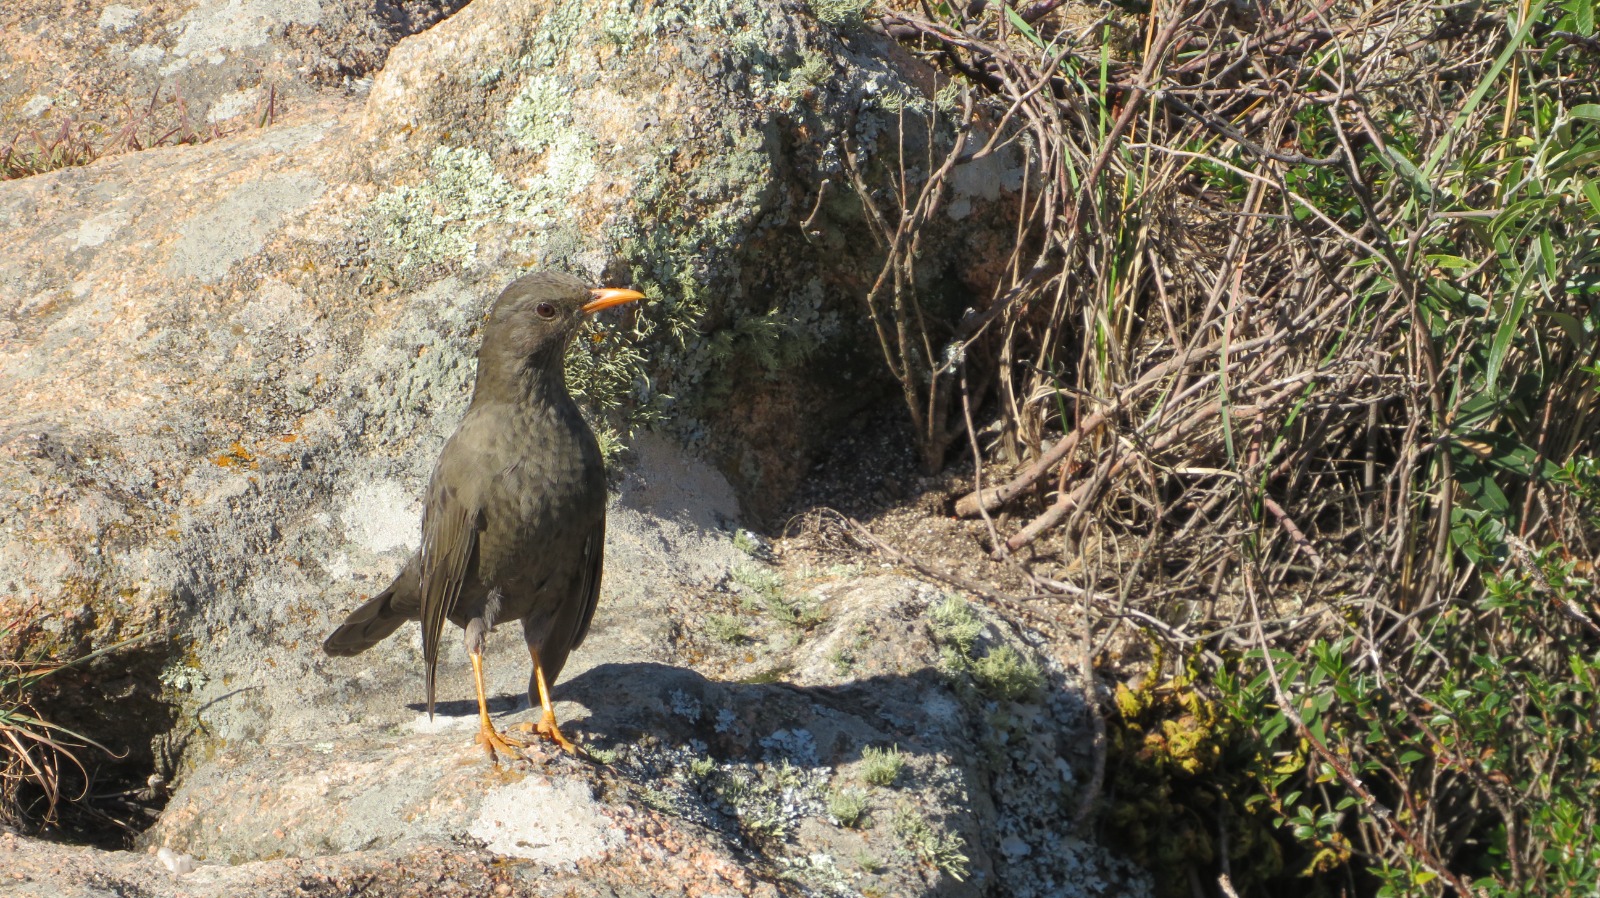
(1177, 758)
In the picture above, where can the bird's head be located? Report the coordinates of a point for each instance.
(534, 319)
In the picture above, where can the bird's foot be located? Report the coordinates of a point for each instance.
(547, 728)
(492, 739)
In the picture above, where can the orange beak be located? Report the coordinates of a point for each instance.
(606, 297)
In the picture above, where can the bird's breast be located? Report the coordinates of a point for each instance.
(545, 495)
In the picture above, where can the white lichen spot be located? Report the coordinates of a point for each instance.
(796, 746)
(116, 17)
(684, 704)
(180, 677)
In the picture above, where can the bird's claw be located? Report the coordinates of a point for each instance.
(491, 739)
(547, 728)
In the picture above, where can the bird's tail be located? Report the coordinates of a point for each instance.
(376, 618)
(365, 627)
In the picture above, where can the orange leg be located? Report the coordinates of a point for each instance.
(547, 724)
(488, 736)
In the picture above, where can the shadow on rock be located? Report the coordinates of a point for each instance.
(775, 722)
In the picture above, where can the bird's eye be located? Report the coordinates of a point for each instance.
(545, 310)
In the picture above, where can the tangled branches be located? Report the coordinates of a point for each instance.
(1302, 313)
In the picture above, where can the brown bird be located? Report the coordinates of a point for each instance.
(515, 518)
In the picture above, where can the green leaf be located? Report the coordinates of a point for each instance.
(1582, 16)
(1485, 84)
(1568, 323)
(1023, 28)
(1590, 111)
(1409, 170)
(1509, 326)
(1592, 191)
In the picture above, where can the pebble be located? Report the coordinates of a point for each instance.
(177, 863)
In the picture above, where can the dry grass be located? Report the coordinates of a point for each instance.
(1295, 344)
(164, 121)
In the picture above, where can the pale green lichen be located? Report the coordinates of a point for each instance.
(539, 113)
(556, 33)
(895, 102)
(948, 98)
(434, 222)
(539, 119)
(182, 676)
(840, 13)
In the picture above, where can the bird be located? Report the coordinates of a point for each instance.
(514, 518)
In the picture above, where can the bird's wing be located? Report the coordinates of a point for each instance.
(594, 550)
(450, 525)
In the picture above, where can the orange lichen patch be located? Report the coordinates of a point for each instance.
(237, 457)
(288, 437)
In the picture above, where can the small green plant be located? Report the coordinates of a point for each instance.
(943, 850)
(66, 148)
(882, 766)
(848, 807)
(727, 628)
(751, 543)
(955, 624)
(757, 578)
(845, 655)
(841, 13)
(1004, 674)
(798, 613)
(700, 768)
(765, 592)
(869, 863)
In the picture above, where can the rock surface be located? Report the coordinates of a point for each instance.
(229, 367)
(207, 66)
